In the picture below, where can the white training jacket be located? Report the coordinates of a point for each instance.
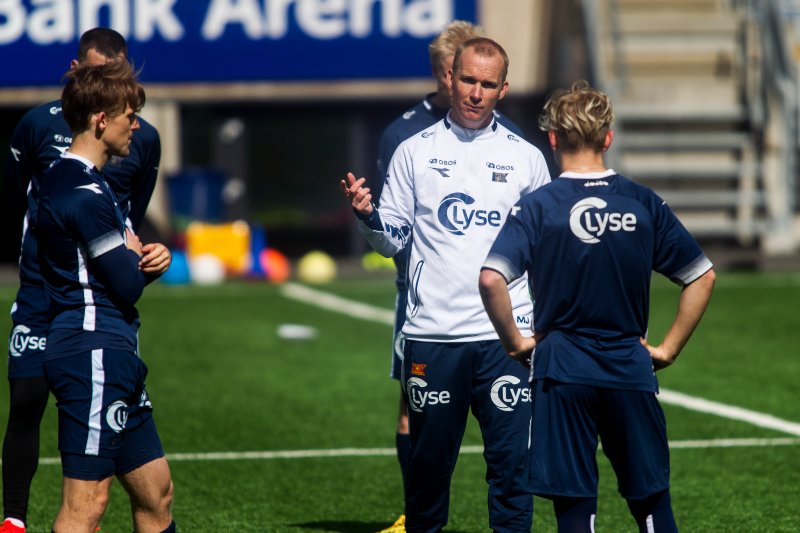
(452, 188)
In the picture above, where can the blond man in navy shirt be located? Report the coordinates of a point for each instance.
(589, 242)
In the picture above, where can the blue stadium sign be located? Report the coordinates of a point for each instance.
(187, 41)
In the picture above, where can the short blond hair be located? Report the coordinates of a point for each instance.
(450, 38)
(483, 47)
(580, 116)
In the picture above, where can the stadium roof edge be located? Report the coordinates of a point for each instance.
(262, 91)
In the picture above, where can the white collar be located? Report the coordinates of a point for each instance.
(587, 175)
(70, 155)
(469, 134)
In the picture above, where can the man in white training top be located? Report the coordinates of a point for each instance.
(451, 186)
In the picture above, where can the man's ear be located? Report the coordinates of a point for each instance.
(503, 90)
(608, 140)
(100, 121)
(551, 136)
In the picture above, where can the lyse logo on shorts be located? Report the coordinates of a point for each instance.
(20, 341)
(418, 398)
(506, 393)
(117, 415)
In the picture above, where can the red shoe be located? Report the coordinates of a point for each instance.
(12, 525)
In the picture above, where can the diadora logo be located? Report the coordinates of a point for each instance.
(117, 415)
(456, 217)
(443, 172)
(588, 225)
(55, 110)
(144, 400)
(408, 114)
(498, 166)
(426, 134)
(21, 341)
(418, 397)
(598, 183)
(94, 187)
(513, 138)
(506, 393)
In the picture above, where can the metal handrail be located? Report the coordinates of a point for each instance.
(772, 79)
(771, 96)
(597, 67)
(613, 84)
(780, 81)
(597, 72)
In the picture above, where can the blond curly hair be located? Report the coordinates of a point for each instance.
(580, 117)
(450, 38)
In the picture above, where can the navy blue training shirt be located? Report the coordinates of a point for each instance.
(589, 243)
(92, 279)
(40, 138)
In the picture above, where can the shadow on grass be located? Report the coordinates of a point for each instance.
(350, 527)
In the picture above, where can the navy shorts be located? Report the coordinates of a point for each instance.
(398, 339)
(28, 337)
(567, 421)
(105, 423)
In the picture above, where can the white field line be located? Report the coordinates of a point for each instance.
(729, 411)
(391, 452)
(376, 314)
(337, 304)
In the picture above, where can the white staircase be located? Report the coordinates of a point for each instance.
(676, 72)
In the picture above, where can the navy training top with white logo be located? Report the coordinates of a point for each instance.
(420, 117)
(589, 244)
(74, 214)
(39, 139)
(42, 135)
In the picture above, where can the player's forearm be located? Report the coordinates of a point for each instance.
(693, 303)
(494, 293)
(118, 270)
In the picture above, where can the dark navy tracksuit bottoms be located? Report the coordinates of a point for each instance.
(442, 382)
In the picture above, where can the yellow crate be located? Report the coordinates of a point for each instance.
(230, 242)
